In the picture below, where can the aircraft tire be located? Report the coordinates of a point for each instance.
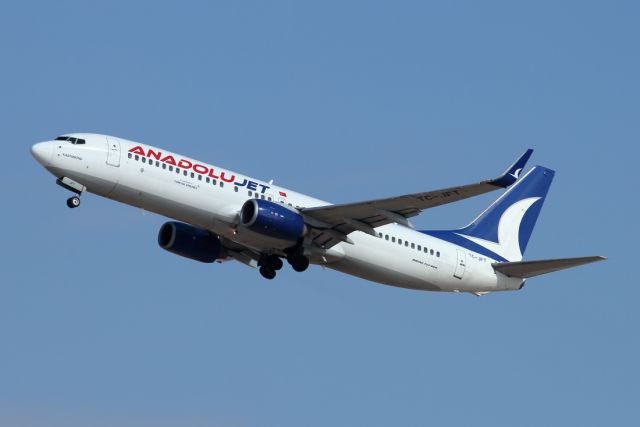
(267, 272)
(275, 263)
(299, 263)
(73, 202)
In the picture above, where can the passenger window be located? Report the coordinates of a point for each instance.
(393, 239)
(208, 180)
(419, 247)
(214, 182)
(137, 157)
(406, 243)
(431, 251)
(221, 184)
(199, 177)
(262, 196)
(386, 237)
(399, 241)
(144, 160)
(164, 166)
(170, 168)
(235, 188)
(193, 175)
(426, 250)
(250, 193)
(269, 198)
(129, 155)
(438, 254)
(157, 164)
(185, 173)
(413, 246)
(177, 170)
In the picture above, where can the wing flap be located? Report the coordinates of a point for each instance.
(526, 269)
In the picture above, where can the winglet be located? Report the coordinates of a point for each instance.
(512, 174)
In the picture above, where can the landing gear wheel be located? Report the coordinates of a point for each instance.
(73, 202)
(267, 272)
(272, 262)
(299, 262)
(275, 263)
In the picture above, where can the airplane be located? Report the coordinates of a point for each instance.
(220, 215)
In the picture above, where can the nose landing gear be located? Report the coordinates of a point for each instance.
(73, 186)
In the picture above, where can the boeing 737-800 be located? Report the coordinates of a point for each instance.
(222, 215)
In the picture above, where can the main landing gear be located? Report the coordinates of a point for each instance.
(269, 264)
(298, 261)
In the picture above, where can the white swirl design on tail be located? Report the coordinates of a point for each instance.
(508, 245)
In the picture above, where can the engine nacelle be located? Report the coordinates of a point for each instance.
(272, 219)
(189, 242)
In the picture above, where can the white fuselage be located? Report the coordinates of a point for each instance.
(210, 197)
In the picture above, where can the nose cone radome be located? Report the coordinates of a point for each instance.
(42, 152)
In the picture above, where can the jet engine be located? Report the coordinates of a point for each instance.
(272, 219)
(189, 242)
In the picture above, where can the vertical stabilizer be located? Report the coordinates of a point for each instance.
(503, 230)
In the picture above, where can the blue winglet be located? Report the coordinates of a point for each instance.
(512, 174)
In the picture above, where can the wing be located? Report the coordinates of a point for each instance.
(525, 269)
(331, 224)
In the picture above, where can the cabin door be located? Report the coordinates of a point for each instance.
(113, 151)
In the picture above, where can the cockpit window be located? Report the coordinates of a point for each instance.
(71, 139)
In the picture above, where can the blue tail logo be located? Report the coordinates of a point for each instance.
(503, 230)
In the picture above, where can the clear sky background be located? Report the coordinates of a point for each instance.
(345, 101)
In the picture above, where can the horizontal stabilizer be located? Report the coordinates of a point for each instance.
(525, 269)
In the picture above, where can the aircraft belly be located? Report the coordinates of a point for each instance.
(372, 259)
(380, 274)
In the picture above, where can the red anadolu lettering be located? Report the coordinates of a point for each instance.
(183, 163)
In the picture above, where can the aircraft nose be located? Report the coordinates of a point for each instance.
(42, 152)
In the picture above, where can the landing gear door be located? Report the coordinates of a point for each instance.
(113, 151)
(461, 265)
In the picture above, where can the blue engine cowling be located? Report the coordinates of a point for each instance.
(189, 242)
(272, 219)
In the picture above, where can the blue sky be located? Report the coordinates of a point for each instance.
(345, 101)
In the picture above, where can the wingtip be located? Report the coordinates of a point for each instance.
(513, 172)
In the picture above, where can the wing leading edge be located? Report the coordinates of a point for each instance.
(331, 224)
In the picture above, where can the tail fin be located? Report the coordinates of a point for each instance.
(502, 231)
